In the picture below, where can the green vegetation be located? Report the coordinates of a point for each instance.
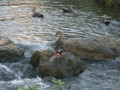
(59, 85)
(110, 3)
(28, 88)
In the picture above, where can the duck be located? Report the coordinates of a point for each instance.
(58, 45)
(105, 20)
(67, 10)
(37, 14)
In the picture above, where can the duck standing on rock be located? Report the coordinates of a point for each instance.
(58, 45)
(37, 14)
(105, 20)
(67, 10)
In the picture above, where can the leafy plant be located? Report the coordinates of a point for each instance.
(59, 85)
(28, 88)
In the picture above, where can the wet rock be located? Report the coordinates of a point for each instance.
(40, 56)
(8, 50)
(61, 66)
(98, 48)
(29, 72)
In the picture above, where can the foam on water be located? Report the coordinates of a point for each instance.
(5, 67)
(31, 47)
(24, 83)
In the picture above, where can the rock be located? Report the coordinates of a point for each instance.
(8, 50)
(98, 48)
(40, 56)
(61, 66)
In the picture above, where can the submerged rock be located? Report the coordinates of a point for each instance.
(8, 50)
(61, 66)
(98, 48)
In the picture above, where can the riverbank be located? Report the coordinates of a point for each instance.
(110, 3)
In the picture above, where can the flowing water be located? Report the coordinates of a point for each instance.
(17, 23)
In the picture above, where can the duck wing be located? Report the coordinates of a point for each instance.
(59, 46)
(65, 10)
(38, 15)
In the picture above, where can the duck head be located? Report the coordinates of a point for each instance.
(58, 33)
(71, 6)
(105, 17)
(34, 9)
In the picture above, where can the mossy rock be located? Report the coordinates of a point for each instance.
(61, 66)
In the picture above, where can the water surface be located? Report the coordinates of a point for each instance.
(17, 23)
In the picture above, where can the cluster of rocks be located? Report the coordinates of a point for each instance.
(72, 61)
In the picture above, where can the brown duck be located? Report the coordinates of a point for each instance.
(37, 14)
(59, 46)
(105, 20)
(67, 10)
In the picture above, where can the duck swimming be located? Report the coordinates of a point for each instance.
(58, 45)
(37, 14)
(67, 10)
(105, 20)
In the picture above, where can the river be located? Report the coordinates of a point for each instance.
(17, 23)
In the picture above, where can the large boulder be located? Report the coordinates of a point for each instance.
(98, 48)
(8, 50)
(61, 66)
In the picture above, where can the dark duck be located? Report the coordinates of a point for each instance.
(58, 45)
(37, 14)
(67, 10)
(106, 21)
